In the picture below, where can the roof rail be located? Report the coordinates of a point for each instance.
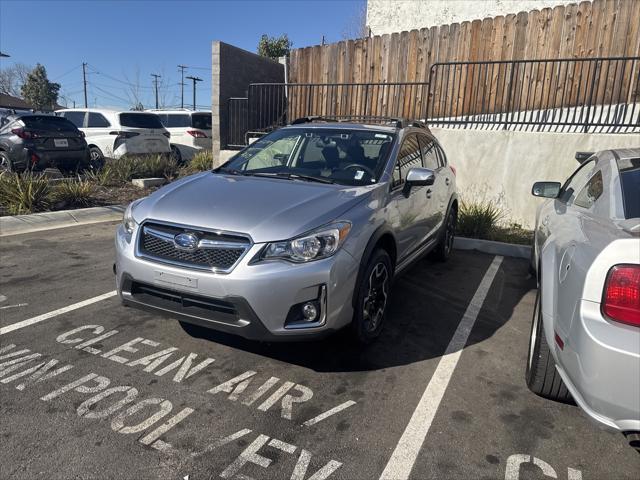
(395, 121)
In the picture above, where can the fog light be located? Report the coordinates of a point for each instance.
(309, 311)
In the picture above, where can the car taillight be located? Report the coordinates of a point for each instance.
(124, 134)
(621, 296)
(197, 133)
(22, 133)
(453, 169)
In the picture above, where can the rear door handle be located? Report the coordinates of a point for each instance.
(428, 193)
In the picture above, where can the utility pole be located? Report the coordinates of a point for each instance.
(195, 79)
(84, 80)
(182, 67)
(155, 81)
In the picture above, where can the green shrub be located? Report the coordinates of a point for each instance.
(478, 220)
(74, 193)
(154, 166)
(200, 162)
(122, 170)
(25, 193)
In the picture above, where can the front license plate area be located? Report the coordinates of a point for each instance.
(172, 279)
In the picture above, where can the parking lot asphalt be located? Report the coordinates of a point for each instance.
(121, 393)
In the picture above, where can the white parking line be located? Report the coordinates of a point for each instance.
(55, 313)
(406, 452)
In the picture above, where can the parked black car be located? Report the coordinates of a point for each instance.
(36, 142)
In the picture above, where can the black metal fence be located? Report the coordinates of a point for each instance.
(237, 122)
(568, 95)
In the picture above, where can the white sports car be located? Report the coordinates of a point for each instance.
(585, 335)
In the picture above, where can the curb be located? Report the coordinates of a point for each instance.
(494, 248)
(38, 222)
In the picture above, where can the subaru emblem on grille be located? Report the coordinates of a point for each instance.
(186, 241)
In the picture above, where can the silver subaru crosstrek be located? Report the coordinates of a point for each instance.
(296, 236)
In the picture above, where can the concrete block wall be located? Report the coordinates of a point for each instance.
(233, 69)
(500, 166)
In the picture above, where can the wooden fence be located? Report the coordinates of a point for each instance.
(602, 28)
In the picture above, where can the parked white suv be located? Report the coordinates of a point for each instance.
(190, 131)
(112, 133)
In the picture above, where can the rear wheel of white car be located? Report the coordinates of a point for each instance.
(372, 297)
(96, 158)
(175, 154)
(542, 377)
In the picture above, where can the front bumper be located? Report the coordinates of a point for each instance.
(252, 300)
(600, 365)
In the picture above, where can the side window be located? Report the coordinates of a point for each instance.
(77, 118)
(408, 157)
(429, 152)
(576, 181)
(442, 158)
(590, 192)
(97, 120)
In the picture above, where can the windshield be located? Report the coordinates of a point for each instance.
(348, 157)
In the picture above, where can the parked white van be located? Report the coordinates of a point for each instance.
(190, 131)
(112, 133)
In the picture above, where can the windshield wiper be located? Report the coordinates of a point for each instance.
(230, 171)
(291, 176)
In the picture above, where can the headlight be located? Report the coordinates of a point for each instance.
(127, 220)
(320, 243)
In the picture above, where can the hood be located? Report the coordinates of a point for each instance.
(267, 209)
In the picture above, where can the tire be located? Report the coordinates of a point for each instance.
(191, 329)
(542, 376)
(372, 298)
(5, 162)
(96, 158)
(443, 250)
(176, 155)
(634, 439)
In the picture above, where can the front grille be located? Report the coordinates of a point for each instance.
(216, 251)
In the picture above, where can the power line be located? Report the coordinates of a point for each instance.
(67, 73)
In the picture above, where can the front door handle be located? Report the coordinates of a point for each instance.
(428, 193)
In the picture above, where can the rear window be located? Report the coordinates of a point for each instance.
(630, 183)
(49, 123)
(201, 121)
(140, 120)
(172, 120)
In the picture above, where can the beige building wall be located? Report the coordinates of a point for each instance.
(500, 166)
(388, 16)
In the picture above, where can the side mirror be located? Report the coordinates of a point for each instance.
(418, 176)
(546, 189)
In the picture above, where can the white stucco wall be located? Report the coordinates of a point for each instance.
(501, 166)
(388, 16)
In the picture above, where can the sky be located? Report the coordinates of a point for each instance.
(124, 42)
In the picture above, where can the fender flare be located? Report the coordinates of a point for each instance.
(366, 255)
